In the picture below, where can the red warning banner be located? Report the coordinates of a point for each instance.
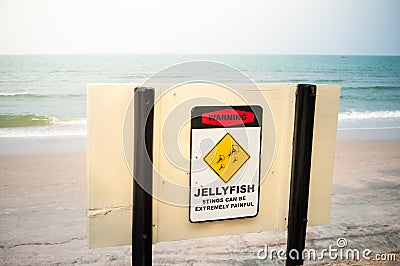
(227, 117)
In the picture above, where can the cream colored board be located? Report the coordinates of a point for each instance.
(110, 227)
(110, 101)
(109, 179)
(323, 153)
(271, 187)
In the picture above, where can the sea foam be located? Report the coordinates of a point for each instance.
(355, 115)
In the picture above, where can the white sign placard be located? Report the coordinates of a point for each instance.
(225, 162)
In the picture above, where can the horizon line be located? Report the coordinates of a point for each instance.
(175, 53)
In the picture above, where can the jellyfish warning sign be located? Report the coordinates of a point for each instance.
(224, 162)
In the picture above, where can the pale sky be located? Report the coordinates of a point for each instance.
(202, 26)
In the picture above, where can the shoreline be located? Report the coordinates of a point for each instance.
(40, 145)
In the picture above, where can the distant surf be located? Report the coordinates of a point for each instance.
(41, 126)
(10, 95)
(356, 115)
(9, 121)
(47, 126)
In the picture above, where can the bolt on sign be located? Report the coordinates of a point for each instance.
(225, 162)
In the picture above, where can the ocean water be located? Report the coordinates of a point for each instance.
(45, 95)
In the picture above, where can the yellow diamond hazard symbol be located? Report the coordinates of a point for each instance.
(226, 158)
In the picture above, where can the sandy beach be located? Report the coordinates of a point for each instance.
(43, 211)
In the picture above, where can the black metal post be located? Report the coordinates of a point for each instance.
(301, 167)
(143, 177)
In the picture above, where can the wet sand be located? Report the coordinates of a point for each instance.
(43, 213)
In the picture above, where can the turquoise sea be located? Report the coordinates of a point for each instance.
(45, 95)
